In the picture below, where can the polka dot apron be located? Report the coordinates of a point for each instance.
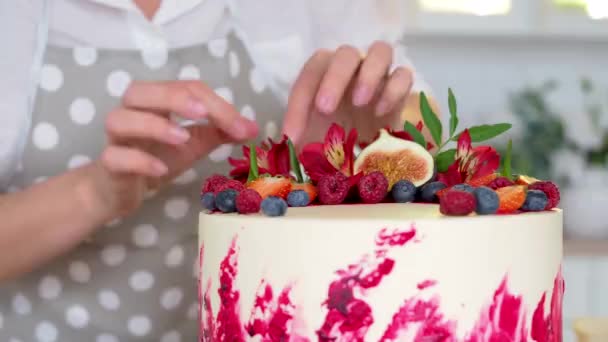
(134, 280)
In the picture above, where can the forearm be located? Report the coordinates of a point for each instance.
(46, 220)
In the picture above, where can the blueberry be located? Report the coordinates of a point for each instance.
(274, 206)
(536, 200)
(486, 201)
(404, 191)
(298, 198)
(463, 187)
(208, 200)
(226, 201)
(429, 191)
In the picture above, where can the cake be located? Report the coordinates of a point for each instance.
(384, 245)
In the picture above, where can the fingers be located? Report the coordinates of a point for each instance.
(122, 159)
(395, 91)
(128, 124)
(303, 94)
(375, 68)
(342, 69)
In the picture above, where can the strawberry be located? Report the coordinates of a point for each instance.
(482, 181)
(310, 189)
(271, 186)
(511, 198)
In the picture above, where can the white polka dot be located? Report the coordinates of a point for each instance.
(192, 313)
(189, 72)
(113, 255)
(80, 271)
(106, 338)
(51, 77)
(78, 161)
(155, 58)
(50, 287)
(221, 153)
(139, 326)
(235, 65)
(171, 298)
(46, 332)
(114, 223)
(248, 112)
(118, 82)
(175, 256)
(21, 304)
(258, 83)
(271, 129)
(186, 178)
(85, 56)
(145, 235)
(218, 47)
(177, 208)
(82, 111)
(45, 136)
(109, 300)
(141, 280)
(226, 94)
(171, 336)
(77, 317)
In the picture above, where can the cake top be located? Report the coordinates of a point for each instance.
(398, 166)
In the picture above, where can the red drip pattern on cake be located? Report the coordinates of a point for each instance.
(349, 316)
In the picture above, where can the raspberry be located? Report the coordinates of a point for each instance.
(230, 184)
(551, 190)
(500, 182)
(213, 183)
(457, 203)
(248, 202)
(373, 187)
(333, 189)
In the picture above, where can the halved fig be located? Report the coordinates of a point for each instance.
(397, 159)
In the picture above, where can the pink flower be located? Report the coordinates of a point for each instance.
(273, 159)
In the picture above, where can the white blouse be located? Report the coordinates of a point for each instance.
(279, 34)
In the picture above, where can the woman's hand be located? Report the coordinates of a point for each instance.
(343, 86)
(146, 148)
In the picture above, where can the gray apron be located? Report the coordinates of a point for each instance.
(134, 280)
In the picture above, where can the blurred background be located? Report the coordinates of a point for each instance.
(541, 64)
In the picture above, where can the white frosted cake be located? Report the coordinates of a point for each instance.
(406, 240)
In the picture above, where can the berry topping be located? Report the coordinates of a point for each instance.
(208, 201)
(457, 203)
(225, 201)
(429, 191)
(333, 189)
(310, 189)
(274, 206)
(298, 198)
(482, 181)
(551, 190)
(463, 187)
(373, 187)
(536, 200)
(248, 201)
(271, 186)
(511, 198)
(486, 201)
(404, 191)
(500, 182)
(230, 184)
(213, 183)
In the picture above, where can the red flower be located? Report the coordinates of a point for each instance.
(401, 135)
(470, 163)
(273, 159)
(335, 154)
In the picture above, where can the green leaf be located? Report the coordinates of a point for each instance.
(444, 159)
(506, 164)
(254, 172)
(485, 132)
(418, 137)
(294, 162)
(453, 112)
(431, 121)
